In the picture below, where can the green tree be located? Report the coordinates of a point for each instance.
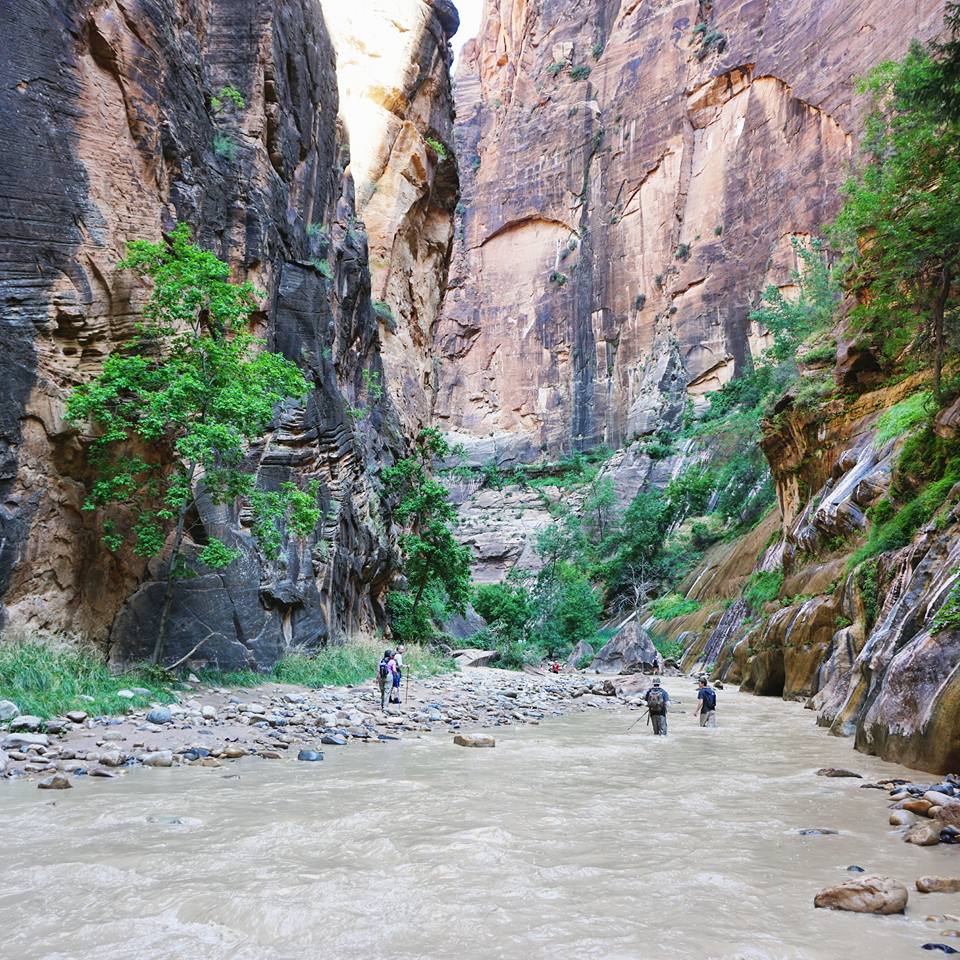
(507, 607)
(899, 227)
(791, 319)
(173, 410)
(599, 505)
(431, 555)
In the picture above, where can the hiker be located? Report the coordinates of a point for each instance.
(385, 674)
(657, 699)
(706, 704)
(398, 660)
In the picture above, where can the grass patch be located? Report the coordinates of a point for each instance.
(355, 663)
(898, 531)
(673, 605)
(901, 417)
(47, 681)
(762, 587)
(668, 649)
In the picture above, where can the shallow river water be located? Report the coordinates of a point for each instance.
(572, 839)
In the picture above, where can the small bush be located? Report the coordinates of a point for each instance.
(673, 605)
(948, 616)
(439, 148)
(323, 268)
(558, 278)
(825, 353)
(227, 94)
(902, 417)
(383, 310)
(639, 301)
(762, 587)
(596, 49)
(580, 72)
(556, 68)
(224, 147)
(683, 251)
(718, 230)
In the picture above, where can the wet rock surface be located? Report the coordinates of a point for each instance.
(865, 895)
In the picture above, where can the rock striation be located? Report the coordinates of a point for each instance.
(113, 127)
(633, 174)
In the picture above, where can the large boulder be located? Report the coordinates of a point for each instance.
(630, 651)
(580, 652)
(864, 895)
(476, 658)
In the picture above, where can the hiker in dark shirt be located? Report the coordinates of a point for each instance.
(706, 704)
(657, 699)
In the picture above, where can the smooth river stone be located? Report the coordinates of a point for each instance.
(938, 884)
(473, 740)
(864, 895)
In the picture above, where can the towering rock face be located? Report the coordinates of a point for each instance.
(633, 174)
(393, 65)
(114, 126)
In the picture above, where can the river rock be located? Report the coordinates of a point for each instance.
(923, 834)
(936, 798)
(101, 772)
(473, 740)
(157, 758)
(8, 710)
(902, 818)
(209, 713)
(864, 895)
(160, 715)
(26, 722)
(938, 884)
(310, 755)
(77, 716)
(838, 772)
(920, 807)
(817, 832)
(126, 694)
(476, 658)
(233, 752)
(15, 740)
(630, 651)
(110, 758)
(57, 782)
(942, 947)
(333, 739)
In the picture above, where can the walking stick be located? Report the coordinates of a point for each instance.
(406, 695)
(635, 722)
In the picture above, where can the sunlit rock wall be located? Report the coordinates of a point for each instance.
(614, 231)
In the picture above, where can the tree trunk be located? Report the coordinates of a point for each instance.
(171, 568)
(939, 308)
(417, 598)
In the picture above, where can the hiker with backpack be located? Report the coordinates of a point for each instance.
(398, 660)
(657, 699)
(706, 704)
(385, 674)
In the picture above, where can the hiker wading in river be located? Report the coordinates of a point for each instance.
(706, 704)
(657, 699)
(385, 674)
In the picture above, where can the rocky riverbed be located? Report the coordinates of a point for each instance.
(211, 726)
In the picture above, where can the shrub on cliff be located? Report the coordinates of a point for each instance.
(174, 409)
(899, 227)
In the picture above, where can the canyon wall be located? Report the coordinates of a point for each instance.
(633, 173)
(114, 127)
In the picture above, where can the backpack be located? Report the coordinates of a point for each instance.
(384, 670)
(709, 699)
(656, 702)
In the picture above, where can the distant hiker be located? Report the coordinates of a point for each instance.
(657, 699)
(385, 673)
(706, 704)
(398, 660)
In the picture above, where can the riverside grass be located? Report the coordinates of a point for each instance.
(46, 679)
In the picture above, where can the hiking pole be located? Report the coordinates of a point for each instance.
(635, 722)
(406, 695)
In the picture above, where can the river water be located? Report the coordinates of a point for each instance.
(570, 840)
